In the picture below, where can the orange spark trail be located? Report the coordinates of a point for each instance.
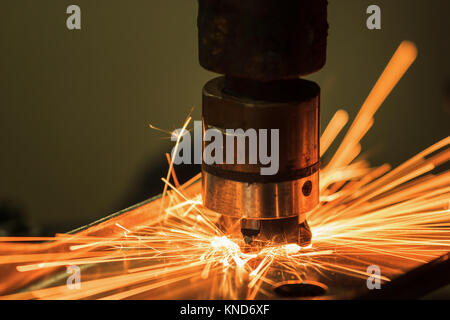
(403, 57)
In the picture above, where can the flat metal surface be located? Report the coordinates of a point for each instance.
(316, 283)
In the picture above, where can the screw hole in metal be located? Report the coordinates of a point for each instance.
(307, 188)
(300, 289)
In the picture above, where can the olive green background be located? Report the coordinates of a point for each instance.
(75, 105)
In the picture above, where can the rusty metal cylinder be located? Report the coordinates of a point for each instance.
(262, 40)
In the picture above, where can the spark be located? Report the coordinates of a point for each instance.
(397, 218)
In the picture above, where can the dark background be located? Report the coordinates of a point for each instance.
(75, 105)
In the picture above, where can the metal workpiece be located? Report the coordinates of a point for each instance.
(262, 39)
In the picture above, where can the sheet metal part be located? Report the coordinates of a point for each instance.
(416, 284)
(318, 285)
(263, 47)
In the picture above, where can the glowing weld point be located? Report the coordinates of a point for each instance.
(292, 248)
(232, 251)
(239, 262)
(225, 262)
(223, 242)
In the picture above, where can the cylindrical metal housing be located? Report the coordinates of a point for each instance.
(240, 190)
(262, 40)
(263, 47)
